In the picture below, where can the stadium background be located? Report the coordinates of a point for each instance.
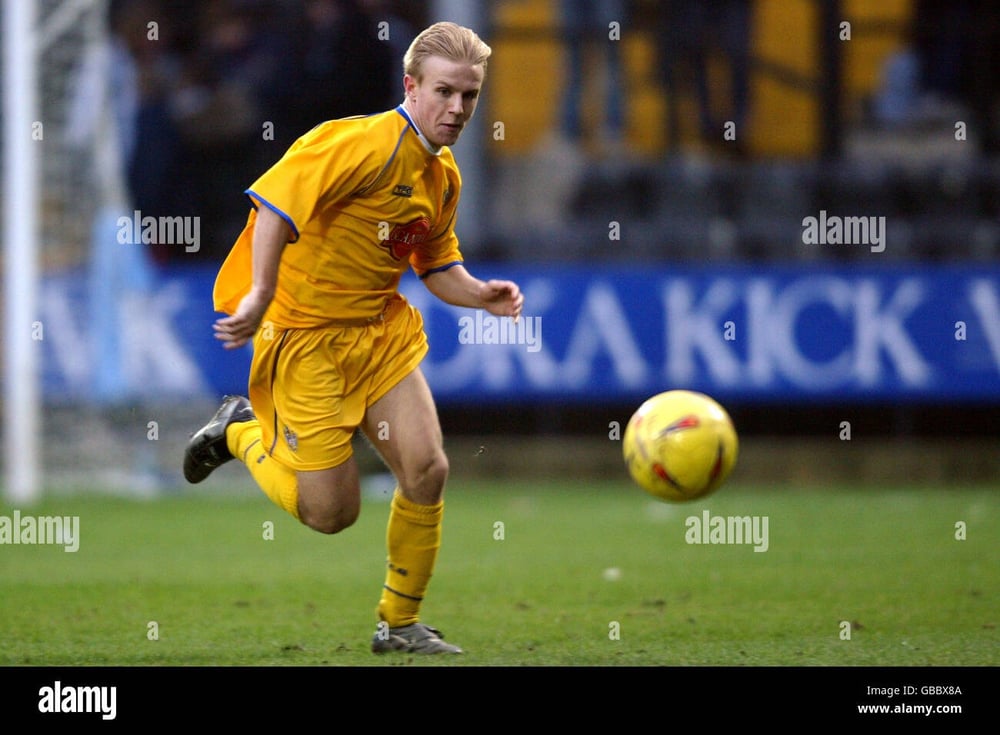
(659, 259)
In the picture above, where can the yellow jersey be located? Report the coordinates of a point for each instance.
(365, 198)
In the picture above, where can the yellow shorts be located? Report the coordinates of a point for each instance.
(310, 388)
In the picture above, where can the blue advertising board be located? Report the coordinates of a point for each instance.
(599, 333)
(786, 333)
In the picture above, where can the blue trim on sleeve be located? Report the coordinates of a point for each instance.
(440, 268)
(255, 198)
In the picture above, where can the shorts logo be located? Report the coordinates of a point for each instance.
(402, 190)
(292, 439)
(403, 238)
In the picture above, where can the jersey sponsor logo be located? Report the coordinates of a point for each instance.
(403, 238)
(402, 190)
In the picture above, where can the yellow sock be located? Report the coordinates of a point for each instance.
(413, 537)
(277, 482)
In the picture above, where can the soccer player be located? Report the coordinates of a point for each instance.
(312, 282)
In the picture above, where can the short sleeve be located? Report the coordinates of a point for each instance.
(321, 168)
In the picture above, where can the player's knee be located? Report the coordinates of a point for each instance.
(329, 501)
(434, 472)
(426, 479)
(328, 514)
(329, 521)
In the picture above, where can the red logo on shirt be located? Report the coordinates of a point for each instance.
(404, 238)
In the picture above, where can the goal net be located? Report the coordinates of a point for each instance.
(71, 418)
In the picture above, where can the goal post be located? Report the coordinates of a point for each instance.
(51, 190)
(22, 403)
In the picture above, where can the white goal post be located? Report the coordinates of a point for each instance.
(21, 256)
(44, 214)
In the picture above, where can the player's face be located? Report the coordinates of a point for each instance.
(443, 100)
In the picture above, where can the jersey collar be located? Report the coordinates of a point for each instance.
(427, 144)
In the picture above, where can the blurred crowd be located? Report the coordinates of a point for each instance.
(950, 57)
(220, 89)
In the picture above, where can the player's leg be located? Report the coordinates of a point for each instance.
(327, 501)
(235, 432)
(403, 427)
(296, 440)
(277, 481)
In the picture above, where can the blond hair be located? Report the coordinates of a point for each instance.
(449, 41)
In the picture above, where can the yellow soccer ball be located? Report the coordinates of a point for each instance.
(680, 445)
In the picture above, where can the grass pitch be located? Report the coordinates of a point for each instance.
(529, 575)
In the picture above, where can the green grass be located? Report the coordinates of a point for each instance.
(851, 577)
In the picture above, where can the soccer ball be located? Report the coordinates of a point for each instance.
(680, 445)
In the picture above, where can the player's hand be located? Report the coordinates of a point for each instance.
(239, 328)
(502, 298)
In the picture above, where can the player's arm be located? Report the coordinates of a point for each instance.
(456, 286)
(270, 236)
